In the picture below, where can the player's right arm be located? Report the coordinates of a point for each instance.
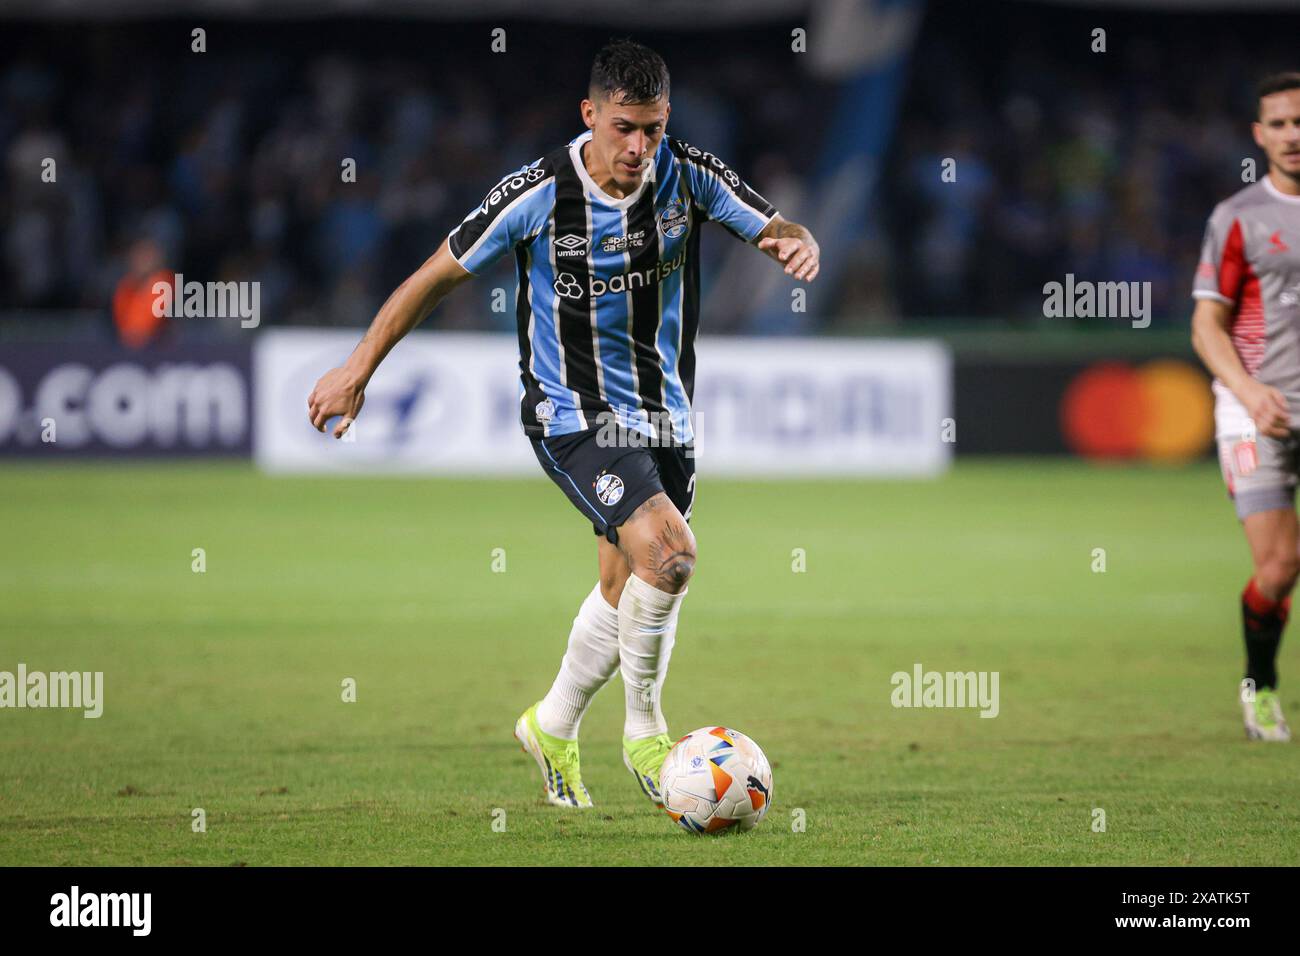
(1265, 404)
(342, 391)
(514, 211)
(1220, 278)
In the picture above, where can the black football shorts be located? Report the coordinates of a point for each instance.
(609, 482)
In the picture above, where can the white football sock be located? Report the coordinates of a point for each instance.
(647, 627)
(589, 663)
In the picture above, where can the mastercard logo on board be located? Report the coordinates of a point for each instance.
(1160, 411)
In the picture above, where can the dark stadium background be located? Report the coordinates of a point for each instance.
(223, 165)
(905, 465)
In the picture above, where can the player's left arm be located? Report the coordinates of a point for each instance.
(722, 196)
(792, 245)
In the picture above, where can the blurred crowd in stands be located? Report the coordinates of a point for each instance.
(229, 164)
(1069, 158)
(225, 166)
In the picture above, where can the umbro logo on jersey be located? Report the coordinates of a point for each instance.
(567, 286)
(1276, 243)
(570, 246)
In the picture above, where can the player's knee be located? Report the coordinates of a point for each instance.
(673, 557)
(659, 545)
(1277, 574)
(674, 577)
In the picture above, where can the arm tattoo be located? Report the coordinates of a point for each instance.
(792, 230)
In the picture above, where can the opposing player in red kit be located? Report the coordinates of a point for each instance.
(1246, 329)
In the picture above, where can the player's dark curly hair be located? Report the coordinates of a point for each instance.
(1276, 83)
(636, 73)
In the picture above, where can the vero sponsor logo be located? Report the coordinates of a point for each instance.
(508, 187)
(718, 165)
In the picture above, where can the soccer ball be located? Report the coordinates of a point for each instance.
(716, 779)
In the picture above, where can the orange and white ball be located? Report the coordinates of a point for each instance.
(716, 779)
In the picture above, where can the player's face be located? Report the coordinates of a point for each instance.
(624, 137)
(1278, 130)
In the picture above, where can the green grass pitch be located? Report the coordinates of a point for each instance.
(223, 689)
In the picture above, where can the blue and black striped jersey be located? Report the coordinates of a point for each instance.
(608, 299)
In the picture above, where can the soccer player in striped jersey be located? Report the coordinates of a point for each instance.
(605, 232)
(1246, 328)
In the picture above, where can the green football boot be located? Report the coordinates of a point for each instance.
(557, 758)
(1263, 716)
(643, 759)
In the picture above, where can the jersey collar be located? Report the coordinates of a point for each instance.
(1277, 193)
(575, 155)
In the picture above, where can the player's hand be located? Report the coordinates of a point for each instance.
(802, 259)
(1267, 408)
(336, 393)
